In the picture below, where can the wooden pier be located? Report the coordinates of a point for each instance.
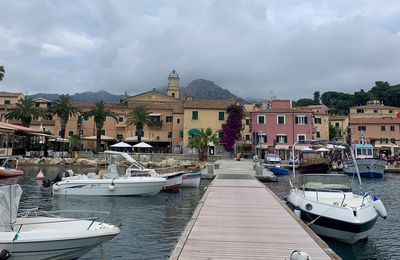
(239, 218)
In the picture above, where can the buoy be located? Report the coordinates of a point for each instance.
(378, 206)
(40, 176)
(299, 255)
(56, 187)
(111, 187)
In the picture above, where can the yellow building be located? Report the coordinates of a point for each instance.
(341, 124)
(321, 121)
(8, 101)
(204, 114)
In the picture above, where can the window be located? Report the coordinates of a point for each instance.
(383, 128)
(261, 119)
(178, 120)
(301, 120)
(120, 137)
(301, 138)
(247, 137)
(280, 120)
(120, 119)
(360, 111)
(7, 102)
(70, 133)
(247, 121)
(384, 141)
(392, 140)
(375, 111)
(168, 119)
(221, 115)
(169, 135)
(390, 111)
(317, 120)
(392, 128)
(337, 125)
(79, 121)
(195, 115)
(317, 134)
(362, 128)
(103, 132)
(281, 139)
(81, 132)
(220, 134)
(262, 138)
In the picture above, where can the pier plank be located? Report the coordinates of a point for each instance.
(240, 218)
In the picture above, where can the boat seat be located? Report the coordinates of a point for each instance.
(101, 174)
(313, 185)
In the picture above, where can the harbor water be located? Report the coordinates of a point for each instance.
(150, 227)
(383, 241)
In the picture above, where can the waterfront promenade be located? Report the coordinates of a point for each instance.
(240, 218)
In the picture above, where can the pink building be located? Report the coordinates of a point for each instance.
(277, 129)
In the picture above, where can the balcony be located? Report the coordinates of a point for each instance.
(155, 124)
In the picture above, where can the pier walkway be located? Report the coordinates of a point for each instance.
(239, 218)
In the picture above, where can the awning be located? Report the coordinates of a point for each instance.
(180, 132)
(102, 138)
(386, 146)
(281, 147)
(194, 131)
(154, 114)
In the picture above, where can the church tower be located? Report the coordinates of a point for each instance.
(173, 84)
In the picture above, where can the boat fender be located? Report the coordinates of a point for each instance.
(299, 255)
(297, 211)
(111, 187)
(56, 187)
(5, 254)
(379, 207)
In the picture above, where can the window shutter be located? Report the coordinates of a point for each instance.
(285, 139)
(305, 120)
(277, 139)
(297, 120)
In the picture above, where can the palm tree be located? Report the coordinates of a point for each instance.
(64, 109)
(25, 111)
(201, 141)
(100, 114)
(1, 73)
(139, 117)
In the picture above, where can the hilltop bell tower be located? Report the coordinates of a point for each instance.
(173, 84)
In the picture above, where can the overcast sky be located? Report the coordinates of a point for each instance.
(286, 49)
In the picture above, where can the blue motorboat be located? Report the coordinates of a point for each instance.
(278, 170)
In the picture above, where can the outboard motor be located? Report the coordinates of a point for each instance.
(46, 183)
(378, 206)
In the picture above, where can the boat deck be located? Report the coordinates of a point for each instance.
(240, 218)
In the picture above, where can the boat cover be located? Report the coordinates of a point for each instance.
(9, 201)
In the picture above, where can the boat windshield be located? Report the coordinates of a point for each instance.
(325, 182)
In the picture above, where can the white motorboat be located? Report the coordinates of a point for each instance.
(174, 179)
(109, 184)
(191, 180)
(327, 203)
(32, 236)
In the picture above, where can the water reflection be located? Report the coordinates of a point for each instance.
(383, 242)
(150, 225)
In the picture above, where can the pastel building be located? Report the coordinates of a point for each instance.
(341, 125)
(375, 123)
(277, 129)
(321, 121)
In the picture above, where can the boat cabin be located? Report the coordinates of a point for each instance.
(364, 151)
(325, 182)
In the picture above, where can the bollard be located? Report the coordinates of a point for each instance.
(259, 169)
(210, 168)
(216, 165)
(254, 166)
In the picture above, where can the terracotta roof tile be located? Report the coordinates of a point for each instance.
(385, 120)
(209, 103)
(378, 106)
(282, 110)
(9, 94)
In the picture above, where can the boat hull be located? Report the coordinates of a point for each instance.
(191, 180)
(314, 168)
(131, 186)
(57, 241)
(369, 168)
(174, 180)
(10, 173)
(279, 171)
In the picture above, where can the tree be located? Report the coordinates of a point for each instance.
(332, 132)
(303, 102)
(64, 109)
(317, 98)
(139, 117)
(201, 141)
(100, 114)
(2, 72)
(25, 111)
(232, 127)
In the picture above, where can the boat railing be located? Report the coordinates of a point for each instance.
(328, 190)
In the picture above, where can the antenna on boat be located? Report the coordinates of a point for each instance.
(356, 167)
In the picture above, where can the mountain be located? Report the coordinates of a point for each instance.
(206, 89)
(87, 96)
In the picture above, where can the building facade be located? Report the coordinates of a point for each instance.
(320, 122)
(341, 125)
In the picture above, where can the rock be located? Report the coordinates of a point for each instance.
(101, 162)
(187, 163)
(69, 160)
(56, 160)
(170, 162)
